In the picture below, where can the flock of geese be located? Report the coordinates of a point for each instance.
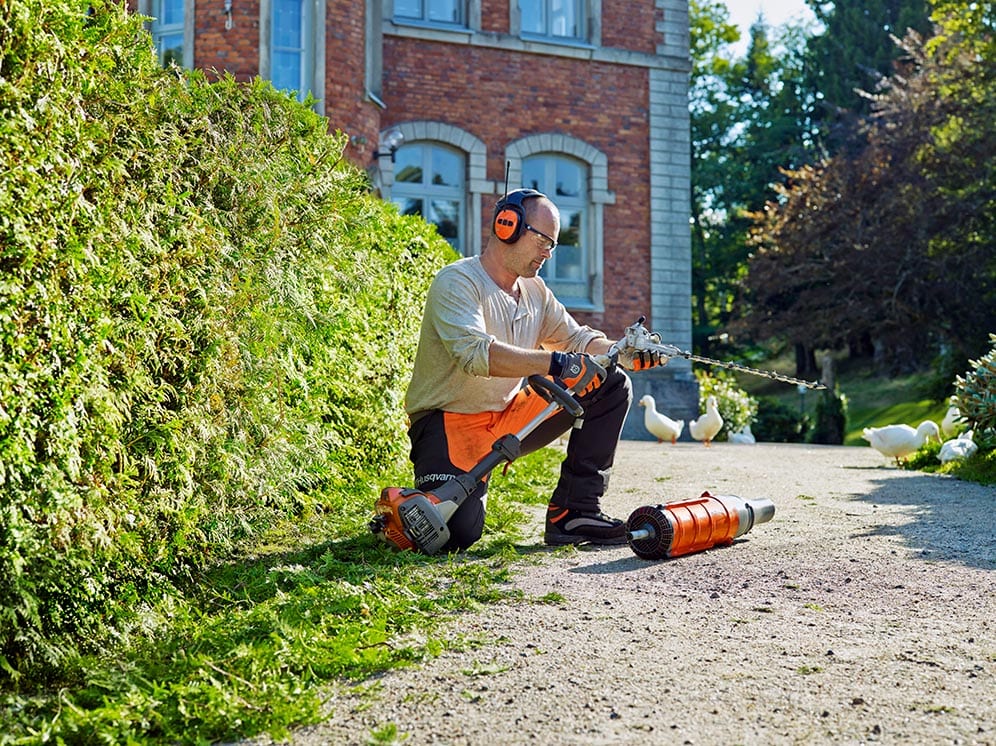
(896, 442)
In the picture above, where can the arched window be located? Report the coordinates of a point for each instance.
(565, 180)
(429, 181)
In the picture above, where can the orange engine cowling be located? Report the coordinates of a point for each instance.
(387, 521)
(412, 519)
(677, 528)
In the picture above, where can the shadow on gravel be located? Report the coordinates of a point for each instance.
(632, 562)
(951, 520)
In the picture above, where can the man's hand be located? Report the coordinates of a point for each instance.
(632, 359)
(578, 372)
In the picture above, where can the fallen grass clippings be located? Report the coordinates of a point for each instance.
(250, 650)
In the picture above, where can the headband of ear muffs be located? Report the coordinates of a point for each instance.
(510, 216)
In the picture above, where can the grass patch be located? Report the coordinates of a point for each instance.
(979, 467)
(250, 647)
(808, 670)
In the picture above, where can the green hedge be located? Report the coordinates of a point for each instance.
(205, 320)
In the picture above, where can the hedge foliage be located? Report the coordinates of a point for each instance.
(205, 320)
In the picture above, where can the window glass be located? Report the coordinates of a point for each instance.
(437, 11)
(559, 18)
(564, 18)
(446, 216)
(408, 165)
(429, 181)
(291, 47)
(568, 272)
(167, 30)
(446, 168)
(409, 206)
(171, 12)
(408, 8)
(444, 11)
(532, 16)
(170, 48)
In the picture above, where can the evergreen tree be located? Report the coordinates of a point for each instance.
(853, 55)
(746, 125)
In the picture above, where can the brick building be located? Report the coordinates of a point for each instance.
(585, 100)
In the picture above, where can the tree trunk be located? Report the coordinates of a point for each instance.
(805, 361)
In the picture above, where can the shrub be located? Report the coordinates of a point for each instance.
(203, 317)
(975, 393)
(736, 406)
(831, 418)
(779, 423)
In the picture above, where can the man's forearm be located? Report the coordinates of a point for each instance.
(508, 361)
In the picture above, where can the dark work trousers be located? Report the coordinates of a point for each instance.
(440, 438)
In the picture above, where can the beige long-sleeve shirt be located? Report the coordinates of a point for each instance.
(465, 312)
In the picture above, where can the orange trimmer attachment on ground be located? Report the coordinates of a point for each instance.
(677, 528)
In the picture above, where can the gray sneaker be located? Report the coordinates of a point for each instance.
(565, 526)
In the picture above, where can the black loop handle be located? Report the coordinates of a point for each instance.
(550, 391)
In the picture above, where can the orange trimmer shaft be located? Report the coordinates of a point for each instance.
(677, 528)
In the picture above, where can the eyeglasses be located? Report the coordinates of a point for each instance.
(551, 239)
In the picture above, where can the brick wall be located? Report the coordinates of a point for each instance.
(345, 73)
(500, 96)
(630, 25)
(234, 50)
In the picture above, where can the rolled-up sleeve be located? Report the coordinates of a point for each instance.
(459, 323)
(561, 331)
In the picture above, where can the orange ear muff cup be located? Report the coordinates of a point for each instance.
(507, 224)
(510, 215)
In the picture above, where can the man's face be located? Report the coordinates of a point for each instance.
(536, 244)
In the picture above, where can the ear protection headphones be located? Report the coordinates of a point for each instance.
(510, 216)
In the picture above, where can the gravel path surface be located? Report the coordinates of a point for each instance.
(864, 611)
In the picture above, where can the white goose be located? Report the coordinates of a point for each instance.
(949, 425)
(743, 435)
(706, 427)
(957, 448)
(660, 425)
(899, 441)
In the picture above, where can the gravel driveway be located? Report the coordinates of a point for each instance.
(863, 612)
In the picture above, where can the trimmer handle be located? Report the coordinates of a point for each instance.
(551, 391)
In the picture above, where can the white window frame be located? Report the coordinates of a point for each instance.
(313, 53)
(150, 8)
(593, 231)
(583, 10)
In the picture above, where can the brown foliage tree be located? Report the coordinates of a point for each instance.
(888, 246)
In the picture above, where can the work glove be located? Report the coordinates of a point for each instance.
(577, 371)
(637, 349)
(632, 359)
